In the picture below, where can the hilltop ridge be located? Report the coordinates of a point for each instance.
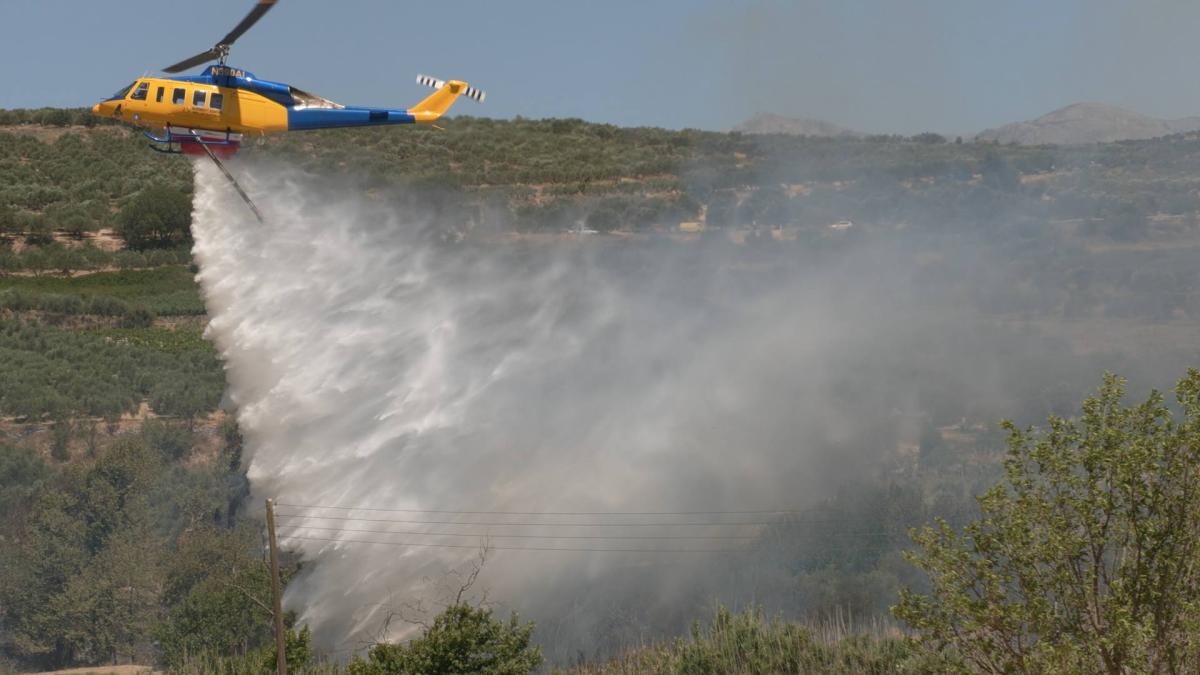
(1081, 123)
(770, 123)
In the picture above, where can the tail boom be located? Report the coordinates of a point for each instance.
(337, 118)
(427, 111)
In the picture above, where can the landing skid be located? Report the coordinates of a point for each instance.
(232, 181)
(169, 150)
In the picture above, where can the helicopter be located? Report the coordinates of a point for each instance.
(211, 113)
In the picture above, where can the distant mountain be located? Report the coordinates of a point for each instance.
(1088, 123)
(766, 123)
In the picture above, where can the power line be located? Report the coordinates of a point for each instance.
(529, 548)
(531, 536)
(550, 513)
(494, 523)
(584, 536)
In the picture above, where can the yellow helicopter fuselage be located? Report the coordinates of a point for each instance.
(228, 101)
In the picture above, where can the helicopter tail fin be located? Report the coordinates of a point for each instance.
(437, 103)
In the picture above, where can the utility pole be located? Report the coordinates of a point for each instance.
(280, 644)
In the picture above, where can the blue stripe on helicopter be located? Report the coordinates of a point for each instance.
(322, 118)
(230, 77)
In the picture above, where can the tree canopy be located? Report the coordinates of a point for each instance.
(159, 216)
(1085, 559)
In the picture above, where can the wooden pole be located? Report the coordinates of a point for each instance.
(276, 593)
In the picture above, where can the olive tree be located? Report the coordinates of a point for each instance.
(160, 215)
(1085, 558)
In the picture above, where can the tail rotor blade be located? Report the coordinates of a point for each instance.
(470, 92)
(431, 82)
(475, 94)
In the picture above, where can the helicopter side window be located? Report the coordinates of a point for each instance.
(159, 94)
(216, 101)
(198, 99)
(179, 96)
(139, 94)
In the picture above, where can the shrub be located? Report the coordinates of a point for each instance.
(462, 639)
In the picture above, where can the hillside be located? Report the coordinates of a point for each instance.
(1088, 123)
(109, 406)
(768, 123)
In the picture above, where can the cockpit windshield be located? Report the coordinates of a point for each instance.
(122, 91)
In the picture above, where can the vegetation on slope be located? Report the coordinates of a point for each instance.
(108, 557)
(123, 536)
(552, 174)
(750, 643)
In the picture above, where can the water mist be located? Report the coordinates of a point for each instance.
(374, 362)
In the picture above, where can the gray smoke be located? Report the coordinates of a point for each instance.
(374, 362)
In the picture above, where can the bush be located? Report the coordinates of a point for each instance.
(462, 639)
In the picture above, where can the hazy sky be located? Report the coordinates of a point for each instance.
(877, 65)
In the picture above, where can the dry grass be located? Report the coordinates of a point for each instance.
(750, 642)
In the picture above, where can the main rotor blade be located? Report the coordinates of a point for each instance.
(252, 18)
(222, 47)
(203, 57)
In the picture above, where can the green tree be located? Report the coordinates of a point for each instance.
(158, 216)
(61, 439)
(219, 591)
(37, 230)
(22, 471)
(9, 222)
(462, 639)
(1087, 556)
(106, 611)
(185, 399)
